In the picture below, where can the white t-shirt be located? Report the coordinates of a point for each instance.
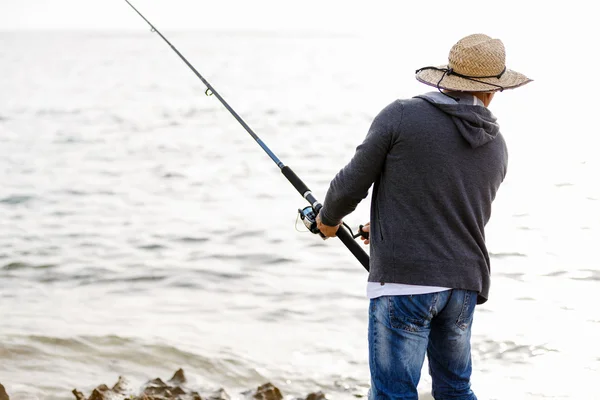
(376, 289)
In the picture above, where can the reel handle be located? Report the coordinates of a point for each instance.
(361, 233)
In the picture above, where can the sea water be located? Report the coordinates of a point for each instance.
(143, 230)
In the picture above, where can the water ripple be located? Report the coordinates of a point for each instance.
(511, 351)
(17, 199)
(507, 255)
(15, 266)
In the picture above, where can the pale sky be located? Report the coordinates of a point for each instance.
(337, 15)
(189, 14)
(550, 39)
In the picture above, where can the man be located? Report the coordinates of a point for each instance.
(436, 162)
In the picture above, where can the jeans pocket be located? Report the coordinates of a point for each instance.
(410, 313)
(468, 309)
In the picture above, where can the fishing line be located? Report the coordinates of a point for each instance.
(308, 214)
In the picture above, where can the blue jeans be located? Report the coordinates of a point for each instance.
(402, 329)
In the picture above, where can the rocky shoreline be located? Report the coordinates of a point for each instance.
(3, 395)
(173, 389)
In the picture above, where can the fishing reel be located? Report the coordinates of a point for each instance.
(309, 217)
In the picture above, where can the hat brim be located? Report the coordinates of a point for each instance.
(509, 80)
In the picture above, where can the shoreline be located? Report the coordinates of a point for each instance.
(174, 389)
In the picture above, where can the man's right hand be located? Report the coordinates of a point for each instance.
(326, 230)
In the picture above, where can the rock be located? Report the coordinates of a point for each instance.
(103, 392)
(78, 395)
(267, 392)
(178, 378)
(173, 389)
(220, 394)
(96, 395)
(156, 383)
(123, 386)
(3, 394)
(317, 396)
(157, 389)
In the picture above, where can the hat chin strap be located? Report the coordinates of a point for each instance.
(450, 71)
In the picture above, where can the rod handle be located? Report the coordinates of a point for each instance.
(295, 180)
(354, 247)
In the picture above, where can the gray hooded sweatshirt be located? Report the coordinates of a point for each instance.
(436, 165)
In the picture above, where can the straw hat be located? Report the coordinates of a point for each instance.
(476, 63)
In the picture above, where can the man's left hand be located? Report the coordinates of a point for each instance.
(329, 231)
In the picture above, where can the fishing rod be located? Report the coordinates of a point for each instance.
(307, 214)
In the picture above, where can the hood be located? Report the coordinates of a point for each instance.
(475, 122)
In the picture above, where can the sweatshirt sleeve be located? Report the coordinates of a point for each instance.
(352, 183)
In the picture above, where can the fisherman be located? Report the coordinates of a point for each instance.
(436, 162)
